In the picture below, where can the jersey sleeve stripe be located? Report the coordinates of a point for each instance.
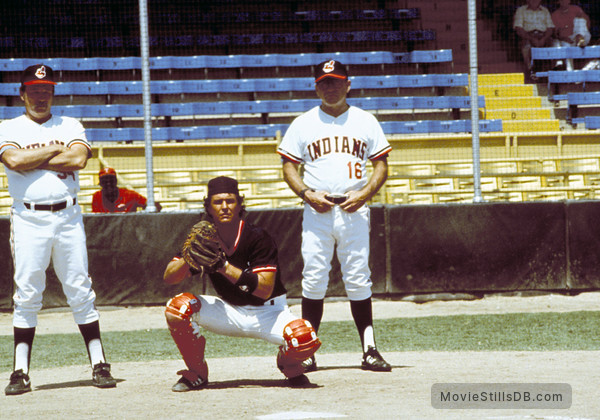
(83, 143)
(264, 268)
(8, 145)
(381, 153)
(289, 156)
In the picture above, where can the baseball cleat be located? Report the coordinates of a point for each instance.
(184, 384)
(19, 383)
(101, 376)
(372, 360)
(299, 381)
(310, 365)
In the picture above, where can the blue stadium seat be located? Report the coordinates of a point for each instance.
(281, 38)
(405, 127)
(271, 130)
(265, 60)
(559, 53)
(213, 40)
(211, 108)
(247, 39)
(583, 98)
(170, 109)
(369, 14)
(405, 14)
(9, 89)
(431, 56)
(574, 99)
(107, 63)
(229, 61)
(569, 77)
(8, 112)
(592, 123)
(115, 134)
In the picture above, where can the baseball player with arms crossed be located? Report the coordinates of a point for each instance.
(241, 261)
(333, 142)
(42, 155)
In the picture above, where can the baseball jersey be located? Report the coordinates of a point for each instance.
(531, 20)
(41, 185)
(334, 150)
(253, 249)
(127, 201)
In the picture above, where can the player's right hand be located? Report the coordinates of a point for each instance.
(317, 200)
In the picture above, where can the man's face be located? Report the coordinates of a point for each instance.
(109, 187)
(564, 3)
(224, 208)
(332, 91)
(38, 101)
(534, 4)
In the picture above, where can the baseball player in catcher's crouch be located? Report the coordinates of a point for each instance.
(42, 155)
(333, 142)
(241, 261)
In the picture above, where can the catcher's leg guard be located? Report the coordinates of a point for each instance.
(301, 342)
(186, 333)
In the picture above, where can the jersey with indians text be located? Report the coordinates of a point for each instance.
(41, 185)
(334, 150)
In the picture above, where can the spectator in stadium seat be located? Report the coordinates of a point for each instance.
(534, 27)
(112, 199)
(572, 27)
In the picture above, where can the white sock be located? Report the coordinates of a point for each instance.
(368, 338)
(96, 352)
(22, 357)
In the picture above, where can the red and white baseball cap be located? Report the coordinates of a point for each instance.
(107, 171)
(330, 68)
(37, 74)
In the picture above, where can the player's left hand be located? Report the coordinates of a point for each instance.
(354, 201)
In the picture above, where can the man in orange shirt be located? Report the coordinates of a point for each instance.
(112, 199)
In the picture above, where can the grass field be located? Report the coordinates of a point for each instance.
(550, 331)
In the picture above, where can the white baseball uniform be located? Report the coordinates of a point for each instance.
(46, 222)
(334, 152)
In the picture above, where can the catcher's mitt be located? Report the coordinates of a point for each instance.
(201, 250)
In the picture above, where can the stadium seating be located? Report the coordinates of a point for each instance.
(249, 107)
(575, 99)
(251, 131)
(229, 61)
(389, 84)
(570, 79)
(591, 122)
(562, 53)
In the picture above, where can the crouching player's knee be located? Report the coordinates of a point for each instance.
(301, 342)
(186, 332)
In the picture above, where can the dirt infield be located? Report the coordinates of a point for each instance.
(251, 388)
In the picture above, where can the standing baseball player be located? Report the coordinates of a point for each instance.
(241, 261)
(42, 155)
(333, 142)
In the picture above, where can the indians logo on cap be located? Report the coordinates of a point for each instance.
(329, 66)
(40, 73)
